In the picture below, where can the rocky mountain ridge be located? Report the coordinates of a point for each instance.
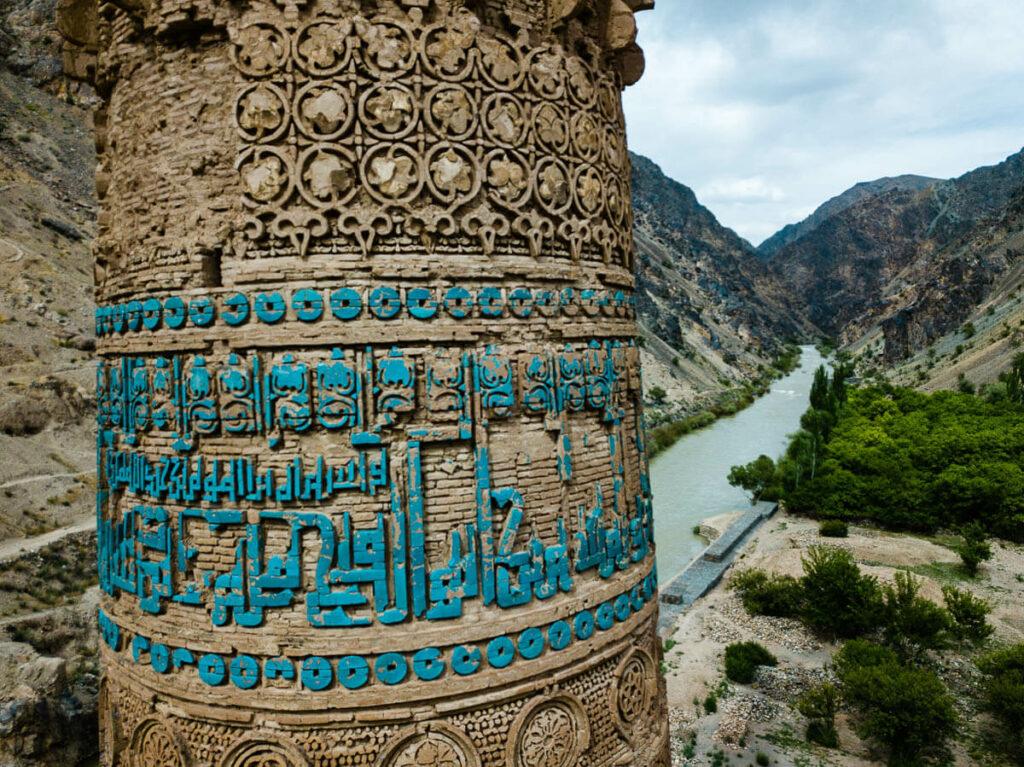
(910, 262)
(709, 310)
(835, 205)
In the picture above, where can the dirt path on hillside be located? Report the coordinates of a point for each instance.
(14, 548)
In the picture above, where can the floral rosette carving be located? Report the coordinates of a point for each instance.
(154, 745)
(260, 49)
(389, 111)
(392, 173)
(323, 111)
(453, 175)
(448, 50)
(261, 113)
(451, 112)
(387, 48)
(322, 46)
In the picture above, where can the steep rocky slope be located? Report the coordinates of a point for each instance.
(908, 264)
(710, 311)
(46, 220)
(839, 203)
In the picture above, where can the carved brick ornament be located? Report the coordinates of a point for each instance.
(372, 479)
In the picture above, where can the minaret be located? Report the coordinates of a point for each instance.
(372, 487)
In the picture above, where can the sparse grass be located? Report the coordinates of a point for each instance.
(942, 572)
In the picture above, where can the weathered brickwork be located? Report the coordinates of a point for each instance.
(372, 481)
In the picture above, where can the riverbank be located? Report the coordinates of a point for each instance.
(762, 717)
(690, 479)
(663, 434)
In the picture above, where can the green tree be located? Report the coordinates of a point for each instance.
(1004, 694)
(907, 710)
(819, 705)
(838, 600)
(742, 660)
(974, 549)
(755, 477)
(1015, 380)
(968, 615)
(912, 624)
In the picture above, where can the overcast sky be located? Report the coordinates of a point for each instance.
(767, 108)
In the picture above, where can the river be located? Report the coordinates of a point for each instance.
(689, 479)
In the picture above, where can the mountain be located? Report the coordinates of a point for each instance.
(709, 309)
(839, 203)
(914, 258)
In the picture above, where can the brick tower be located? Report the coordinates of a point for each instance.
(372, 487)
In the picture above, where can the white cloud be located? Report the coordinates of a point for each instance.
(752, 188)
(745, 99)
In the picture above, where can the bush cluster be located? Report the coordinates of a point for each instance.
(1004, 694)
(781, 596)
(742, 660)
(890, 629)
(834, 528)
(905, 708)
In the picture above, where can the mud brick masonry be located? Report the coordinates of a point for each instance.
(372, 480)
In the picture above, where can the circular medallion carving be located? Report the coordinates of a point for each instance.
(392, 173)
(547, 73)
(551, 128)
(254, 752)
(321, 47)
(504, 119)
(388, 111)
(323, 110)
(499, 63)
(387, 48)
(260, 49)
(508, 178)
(450, 111)
(434, 745)
(261, 113)
(266, 175)
(633, 691)
(550, 732)
(154, 745)
(453, 176)
(430, 750)
(328, 176)
(448, 49)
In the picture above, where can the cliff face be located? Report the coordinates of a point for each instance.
(913, 259)
(856, 193)
(710, 310)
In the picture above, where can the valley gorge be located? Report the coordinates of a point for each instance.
(920, 279)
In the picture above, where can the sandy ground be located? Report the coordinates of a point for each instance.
(762, 717)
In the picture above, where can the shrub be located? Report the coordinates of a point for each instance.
(1004, 692)
(781, 596)
(761, 759)
(710, 703)
(860, 653)
(975, 549)
(743, 658)
(908, 710)
(819, 705)
(967, 615)
(912, 624)
(838, 599)
(834, 528)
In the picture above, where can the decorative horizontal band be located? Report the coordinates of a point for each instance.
(385, 302)
(319, 673)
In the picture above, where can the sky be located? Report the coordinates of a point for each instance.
(767, 108)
